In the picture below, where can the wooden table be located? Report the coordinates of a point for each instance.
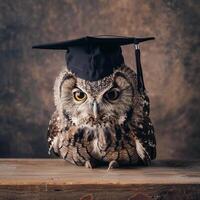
(57, 179)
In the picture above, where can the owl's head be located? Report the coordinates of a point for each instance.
(101, 103)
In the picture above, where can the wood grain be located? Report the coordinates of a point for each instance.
(57, 179)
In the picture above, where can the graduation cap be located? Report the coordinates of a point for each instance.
(93, 58)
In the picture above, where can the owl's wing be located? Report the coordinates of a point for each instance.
(53, 131)
(145, 141)
(145, 134)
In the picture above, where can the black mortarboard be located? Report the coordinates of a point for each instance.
(93, 58)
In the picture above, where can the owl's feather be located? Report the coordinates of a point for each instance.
(98, 131)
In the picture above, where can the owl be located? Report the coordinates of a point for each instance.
(103, 122)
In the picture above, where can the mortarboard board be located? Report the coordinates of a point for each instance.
(93, 58)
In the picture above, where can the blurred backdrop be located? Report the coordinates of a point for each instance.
(170, 65)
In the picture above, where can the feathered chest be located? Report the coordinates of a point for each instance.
(101, 144)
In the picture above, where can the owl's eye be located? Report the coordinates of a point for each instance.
(112, 94)
(79, 95)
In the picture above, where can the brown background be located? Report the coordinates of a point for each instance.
(170, 64)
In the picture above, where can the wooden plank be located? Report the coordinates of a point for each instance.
(57, 179)
(60, 172)
(103, 192)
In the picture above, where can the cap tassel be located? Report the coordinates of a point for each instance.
(140, 80)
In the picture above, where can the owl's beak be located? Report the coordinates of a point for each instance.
(95, 109)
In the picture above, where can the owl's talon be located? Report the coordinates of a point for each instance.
(89, 165)
(113, 164)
